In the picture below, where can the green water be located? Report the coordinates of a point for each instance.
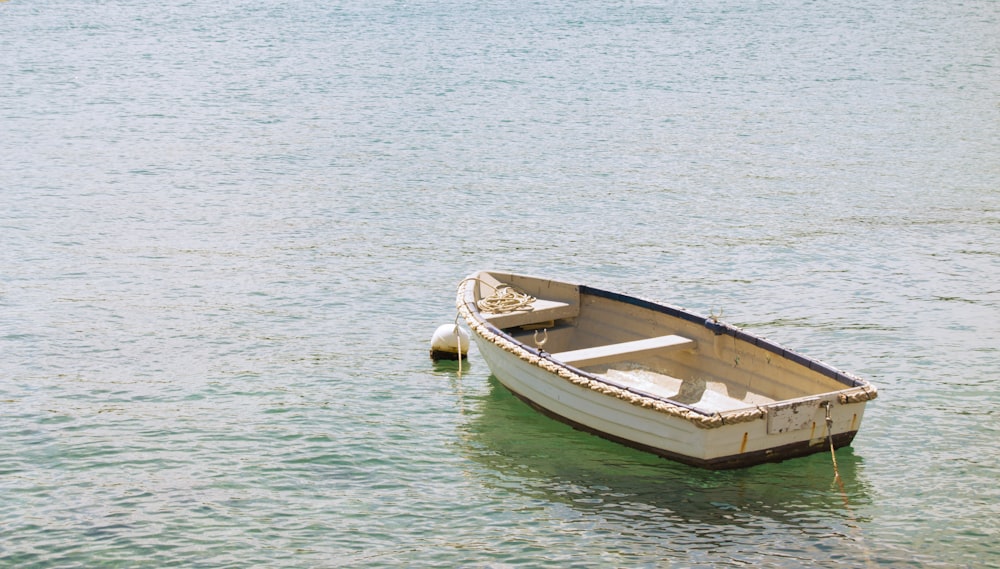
(229, 230)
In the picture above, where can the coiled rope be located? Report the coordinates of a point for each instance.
(506, 299)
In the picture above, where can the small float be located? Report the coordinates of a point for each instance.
(449, 342)
(657, 377)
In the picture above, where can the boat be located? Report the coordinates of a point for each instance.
(657, 377)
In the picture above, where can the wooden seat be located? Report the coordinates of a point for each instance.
(542, 311)
(623, 350)
(553, 300)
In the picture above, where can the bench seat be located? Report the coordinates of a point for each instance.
(623, 350)
(542, 311)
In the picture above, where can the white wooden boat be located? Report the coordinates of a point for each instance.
(657, 377)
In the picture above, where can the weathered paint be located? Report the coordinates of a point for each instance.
(793, 416)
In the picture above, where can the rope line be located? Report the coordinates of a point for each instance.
(458, 340)
(506, 299)
(853, 522)
(833, 454)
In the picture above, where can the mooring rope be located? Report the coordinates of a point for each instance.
(506, 299)
(458, 340)
(854, 525)
(833, 454)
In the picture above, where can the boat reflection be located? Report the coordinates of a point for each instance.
(521, 451)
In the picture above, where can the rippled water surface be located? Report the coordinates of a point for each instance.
(228, 229)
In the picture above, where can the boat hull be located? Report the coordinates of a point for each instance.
(659, 378)
(728, 446)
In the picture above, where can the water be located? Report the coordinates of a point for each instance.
(229, 229)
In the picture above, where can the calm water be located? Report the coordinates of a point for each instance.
(228, 230)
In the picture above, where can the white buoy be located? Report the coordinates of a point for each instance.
(450, 342)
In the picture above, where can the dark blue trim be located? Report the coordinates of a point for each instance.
(719, 328)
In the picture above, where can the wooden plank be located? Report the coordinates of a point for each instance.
(614, 352)
(543, 311)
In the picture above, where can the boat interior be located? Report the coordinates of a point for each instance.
(649, 349)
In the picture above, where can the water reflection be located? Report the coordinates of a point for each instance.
(451, 368)
(530, 455)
